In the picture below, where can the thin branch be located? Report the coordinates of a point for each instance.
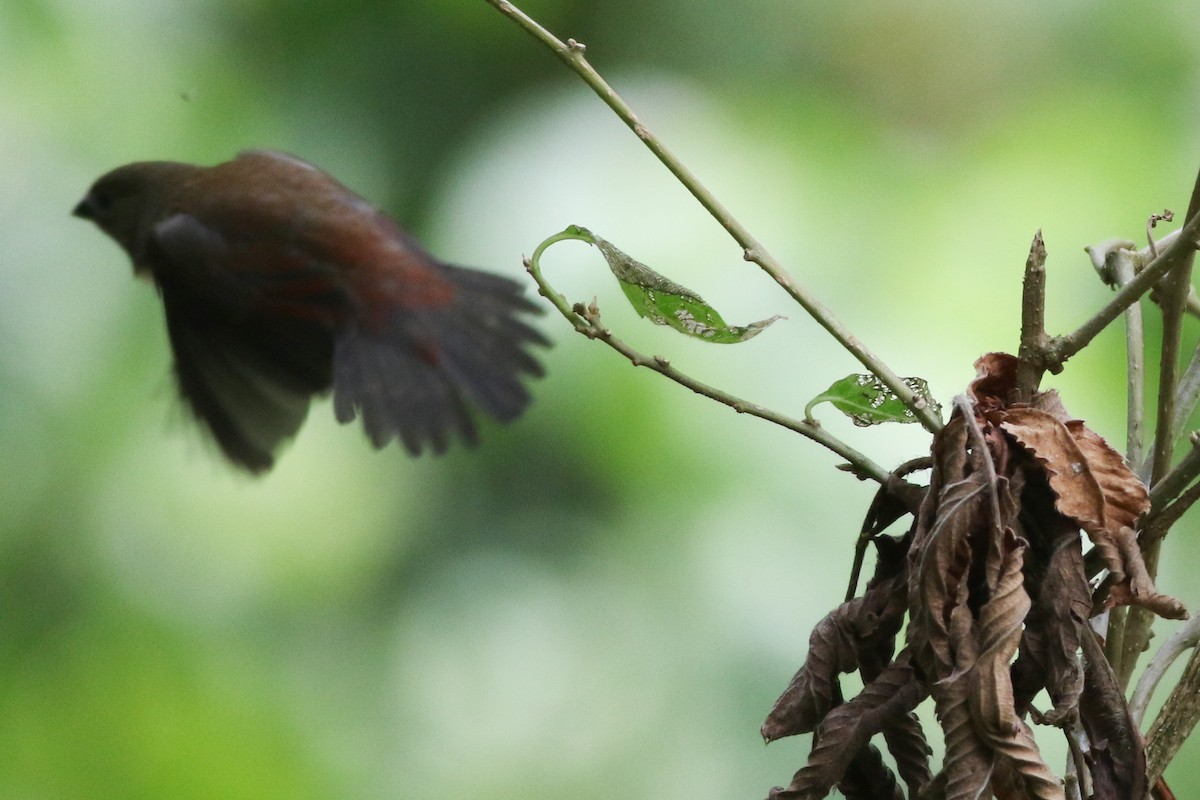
(1188, 394)
(1188, 390)
(1173, 483)
(1158, 523)
(1078, 777)
(1138, 623)
(1183, 640)
(1174, 301)
(1175, 721)
(571, 53)
(1121, 265)
(1117, 262)
(586, 320)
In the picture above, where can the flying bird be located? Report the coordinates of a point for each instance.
(280, 284)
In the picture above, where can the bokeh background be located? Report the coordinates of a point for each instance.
(604, 599)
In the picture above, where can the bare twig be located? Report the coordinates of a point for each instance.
(1188, 389)
(1151, 224)
(1175, 721)
(1033, 321)
(1174, 302)
(571, 52)
(1118, 269)
(1187, 395)
(1173, 483)
(1159, 522)
(1062, 348)
(1184, 639)
(1077, 781)
(1120, 263)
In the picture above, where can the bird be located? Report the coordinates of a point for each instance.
(280, 285)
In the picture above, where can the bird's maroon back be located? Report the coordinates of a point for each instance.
(279, 283)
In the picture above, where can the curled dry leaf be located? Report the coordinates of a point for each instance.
(907, 744)
(999, 631)
(847, 729)
(995, 380)
(852, 633)
(811, 693)
(1136, 587)
(991, 693)
(868, 778)
(1049, 646)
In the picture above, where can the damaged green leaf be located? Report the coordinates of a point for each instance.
(665, 302)
(866, 400)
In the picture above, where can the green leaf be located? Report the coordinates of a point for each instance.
(665, 302)
(866, 401)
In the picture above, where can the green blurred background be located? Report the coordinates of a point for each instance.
(603, 600)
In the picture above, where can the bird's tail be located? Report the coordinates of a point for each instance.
(419, 375)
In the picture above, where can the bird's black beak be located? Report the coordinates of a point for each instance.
(84, 210)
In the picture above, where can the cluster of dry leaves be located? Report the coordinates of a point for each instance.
(992, 579)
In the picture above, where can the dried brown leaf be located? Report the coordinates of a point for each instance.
(1096, 489)
(939, 585)
(1008, 495)
(886, 600)
(936, 788)
(1051, 443)
(996, 634)
(1093, 484)
(811, 692)
(907, 744)
(968, 763)
(1125, 496)
(1134, 586)
(868, 778)
(1116, 758)
(999, 632)
(940, 556)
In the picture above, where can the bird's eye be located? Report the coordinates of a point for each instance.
(101, 201)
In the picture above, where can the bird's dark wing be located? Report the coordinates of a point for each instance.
(252, 342)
